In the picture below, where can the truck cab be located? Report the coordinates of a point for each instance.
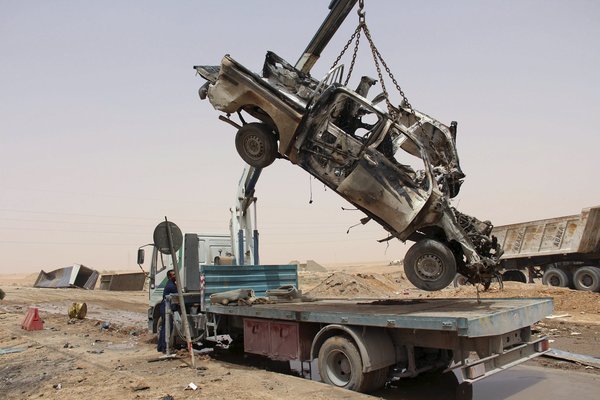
(197, 249)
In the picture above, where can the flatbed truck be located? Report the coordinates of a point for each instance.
(362, 344)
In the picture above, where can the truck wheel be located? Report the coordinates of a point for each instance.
(340, 365)
(430, 265)
(556, 277)
(514, 276)
(587, 278)
(376, 379)
(256, 144)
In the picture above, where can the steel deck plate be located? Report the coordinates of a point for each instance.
(465, 316)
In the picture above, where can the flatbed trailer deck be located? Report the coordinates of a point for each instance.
(466, 317)
(360, 344)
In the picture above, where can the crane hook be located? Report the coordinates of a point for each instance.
(361, 11)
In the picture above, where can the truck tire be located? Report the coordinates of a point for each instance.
(376, 379)
(430, 265)
(514, 276)
(587, 278)
(256, 144)
(340, 365)
(556, 277)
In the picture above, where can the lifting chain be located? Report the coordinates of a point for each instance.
(377, 58)
(379, 61)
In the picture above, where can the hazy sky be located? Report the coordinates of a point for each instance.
(102, 133)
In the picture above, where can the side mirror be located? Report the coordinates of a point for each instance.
(140, 256)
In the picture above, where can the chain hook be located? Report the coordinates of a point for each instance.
(361, 12)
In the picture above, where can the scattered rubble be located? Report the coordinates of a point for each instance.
(76, 275)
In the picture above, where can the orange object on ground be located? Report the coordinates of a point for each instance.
(32, 321)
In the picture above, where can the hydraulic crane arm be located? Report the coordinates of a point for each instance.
(244, 231)
(339, 10)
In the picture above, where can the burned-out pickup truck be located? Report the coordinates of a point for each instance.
(399, 167)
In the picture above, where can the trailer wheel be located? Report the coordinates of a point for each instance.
(256, 144)
(587, 278)
(514, 276)
(556, 277)
(430, 265)
(340, 365)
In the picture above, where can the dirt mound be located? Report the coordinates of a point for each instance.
(565, 300)
(341, 284)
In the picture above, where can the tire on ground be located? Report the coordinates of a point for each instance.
(587, 278)
(556, 277)
(340, 364)
(430, 265)
(256, 144)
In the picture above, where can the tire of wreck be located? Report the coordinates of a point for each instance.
(256, 144)
(430, 265)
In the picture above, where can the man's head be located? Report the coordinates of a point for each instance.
(171, 275)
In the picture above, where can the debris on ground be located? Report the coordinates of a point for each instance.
(32, 321)
(78, 310)
(76, 275)
(11, 350)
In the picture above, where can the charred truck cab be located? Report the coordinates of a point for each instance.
(400, 168)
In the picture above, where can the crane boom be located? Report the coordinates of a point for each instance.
(339, 10)
(243, 225)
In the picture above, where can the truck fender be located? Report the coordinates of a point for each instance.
(374, 344)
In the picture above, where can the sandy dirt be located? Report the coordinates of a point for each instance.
(74, 359)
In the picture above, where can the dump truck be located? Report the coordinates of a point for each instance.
(562, 251)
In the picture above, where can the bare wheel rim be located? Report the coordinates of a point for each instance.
(429, 267)
(254, 147)
(339, 369)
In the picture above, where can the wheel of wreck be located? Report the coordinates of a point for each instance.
(340, 364)
(430, 265)
(256, 144)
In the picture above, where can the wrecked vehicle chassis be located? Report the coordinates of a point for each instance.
(400, 171)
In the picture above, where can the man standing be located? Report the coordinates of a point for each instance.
(170, 288)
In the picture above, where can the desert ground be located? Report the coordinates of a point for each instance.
(111, 355)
